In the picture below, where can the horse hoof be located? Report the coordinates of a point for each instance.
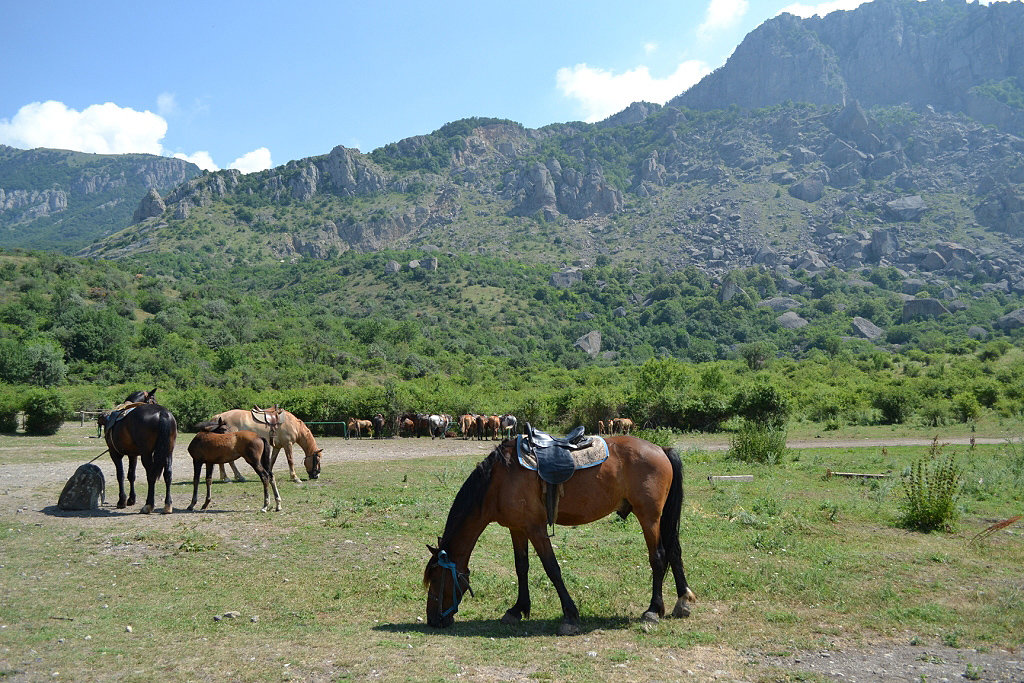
(167, 510)
(568, 629)
(278, 508)
(145, 510)
(650, 618)
(191, 507)
(121, 505)
(682, 610)
(511, 618)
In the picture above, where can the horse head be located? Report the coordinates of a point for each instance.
(312, 463)
(445, 586)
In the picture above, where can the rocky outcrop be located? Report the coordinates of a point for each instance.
(151, 205)
(923, 308)
(791, 321)
(590, 343)
(551, 190)
(886, 52)
(863, 327)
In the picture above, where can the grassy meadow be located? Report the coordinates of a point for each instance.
(330, 588)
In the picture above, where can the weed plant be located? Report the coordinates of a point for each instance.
(931, 489)
(758, 442)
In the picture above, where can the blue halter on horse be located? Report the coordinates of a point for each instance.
(444, 563)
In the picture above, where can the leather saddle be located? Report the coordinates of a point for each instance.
(271, 417)
(108, 420)
(555, 462)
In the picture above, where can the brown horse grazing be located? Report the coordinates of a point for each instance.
(145, 430)
(218, 447)
(637, 477)
(290, 431)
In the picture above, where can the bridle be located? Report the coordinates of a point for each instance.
(444, 563)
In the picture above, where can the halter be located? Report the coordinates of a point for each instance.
(444, 563)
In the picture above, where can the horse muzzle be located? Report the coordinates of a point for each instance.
(438, 621)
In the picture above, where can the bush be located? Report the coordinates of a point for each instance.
(662, 437)
(758, 442)
(10, 404)
(931, 488)
(896, 403)
(44, 412)
(966, 407)
(192, 406)
(764, 404)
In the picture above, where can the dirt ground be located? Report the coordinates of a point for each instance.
(26, 490)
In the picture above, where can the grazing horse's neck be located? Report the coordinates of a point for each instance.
(470, 512)
(304, 438)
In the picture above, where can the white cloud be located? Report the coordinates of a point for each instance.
(722, 14)
(202, 159)
(650, 48)
(256, 160)
(805, 11)
(167, 104)
(602, 93)
(99, 128)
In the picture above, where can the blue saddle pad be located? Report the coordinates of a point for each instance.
(556, 465)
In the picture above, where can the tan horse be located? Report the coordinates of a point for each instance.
(289, 432)
(359, 427)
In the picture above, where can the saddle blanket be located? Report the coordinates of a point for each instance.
(592, 456)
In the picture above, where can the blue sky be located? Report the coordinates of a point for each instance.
(252, 84)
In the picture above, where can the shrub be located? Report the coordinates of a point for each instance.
(896, 403)
(44, 412)
(764, 404)
(966, 407)
(10, 404)
(931, 488)
(192, 406)
(758, 442)
(660, 436)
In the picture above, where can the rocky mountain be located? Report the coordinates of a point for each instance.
(61, 200)
(951, 55)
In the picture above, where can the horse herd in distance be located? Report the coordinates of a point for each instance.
(469, 426)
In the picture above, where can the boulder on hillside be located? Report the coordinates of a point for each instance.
(883, 245)
(566, 278)
(392, 267)
(923, 308)
(906, 208)
(977, 332)
(84, 490)
(780, 303)
(1011, 321)
(791, 321)
(865, 328)
(590, 343)
(808, 189)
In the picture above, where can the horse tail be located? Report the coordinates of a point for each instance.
(162, 449)
(672, 511)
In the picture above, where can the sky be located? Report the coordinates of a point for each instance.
(254, 84)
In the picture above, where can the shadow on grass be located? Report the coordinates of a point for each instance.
(493, 628)
(108, 511)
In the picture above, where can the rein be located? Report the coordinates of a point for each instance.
(97, 457)
(444, 563)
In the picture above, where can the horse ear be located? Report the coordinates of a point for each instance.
(432, 549)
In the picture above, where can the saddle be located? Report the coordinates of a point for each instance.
(271, 417)
(108, 420)
(556, 459)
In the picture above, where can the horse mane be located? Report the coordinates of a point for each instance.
(471, 496)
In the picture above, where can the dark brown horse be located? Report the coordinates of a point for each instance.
(145, 430)
(218, 446)
(637, 477)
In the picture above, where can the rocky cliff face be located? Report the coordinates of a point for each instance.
(58, 199)
(885, 52)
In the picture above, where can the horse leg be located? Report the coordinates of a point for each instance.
(238, 475)
(570, 625)
(657, 559)
(209, 482)
(223, 474)
(197, 466)
(291, 464)
(119, 469)
(151, 477)
(133, 461)
(168, 508)
(521, 551)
